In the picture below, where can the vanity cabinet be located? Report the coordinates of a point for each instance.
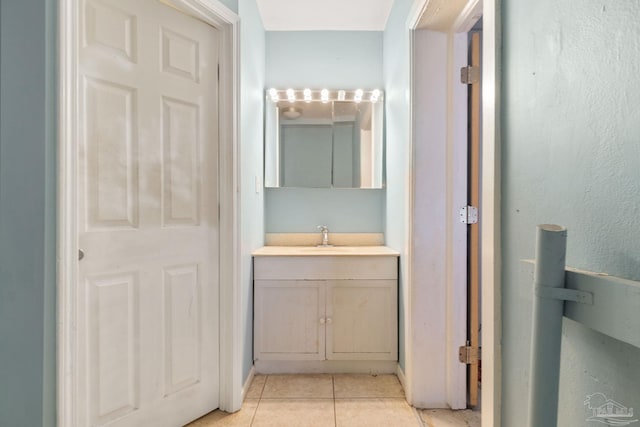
(324, 308)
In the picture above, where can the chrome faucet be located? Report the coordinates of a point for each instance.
(325, 235)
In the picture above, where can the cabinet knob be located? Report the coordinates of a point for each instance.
(329, 320)
(322, 320)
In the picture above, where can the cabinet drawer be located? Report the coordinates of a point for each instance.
(325, 267)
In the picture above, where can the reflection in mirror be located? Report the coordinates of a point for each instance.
(320, 139)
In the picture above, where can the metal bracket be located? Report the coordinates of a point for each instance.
(468, 355)
(470, 75)
(564, 294)
(469, 215)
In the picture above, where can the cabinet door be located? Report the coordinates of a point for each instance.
(362, 320)
(289, 320)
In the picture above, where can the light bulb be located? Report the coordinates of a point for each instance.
(273, 93)
(375, 96)
(324, 96)
(291, 95)
(341, 95)
(307, 95)
(358, 97)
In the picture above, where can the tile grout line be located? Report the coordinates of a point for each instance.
(253, 417)
(335, 414)
(421, 422)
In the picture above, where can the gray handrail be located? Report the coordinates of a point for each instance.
(607, 304)
(551, 245)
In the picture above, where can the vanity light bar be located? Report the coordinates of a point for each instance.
(324, 95)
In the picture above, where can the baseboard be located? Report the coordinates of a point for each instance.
(403, 381)
(248, 381)
(325, 367)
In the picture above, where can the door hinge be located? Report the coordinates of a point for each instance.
(470, 75)
(468, 215)
(468, 355)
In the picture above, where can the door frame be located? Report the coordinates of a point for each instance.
(490, 191)
(226, 22)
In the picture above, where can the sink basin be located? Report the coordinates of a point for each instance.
(324, 251)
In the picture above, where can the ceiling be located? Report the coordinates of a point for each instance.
(324, 15)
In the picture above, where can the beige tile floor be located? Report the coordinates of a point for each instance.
(329, 400)
(448, 418)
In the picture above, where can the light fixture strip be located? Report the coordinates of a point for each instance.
(324, 95)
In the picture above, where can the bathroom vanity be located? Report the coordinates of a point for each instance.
(325, 309)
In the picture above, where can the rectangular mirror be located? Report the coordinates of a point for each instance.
(324, 139)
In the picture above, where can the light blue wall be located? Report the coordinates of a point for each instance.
(335, 60)
(571, 156)
(27, 212)
(319, 59)
(396, 78)
(252, 48)
(343, 210)
(231, 4)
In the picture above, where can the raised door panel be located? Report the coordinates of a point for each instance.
(362, 320)
(110, 150)
(288, 316)
(180, 160)
(180, 55)
(182, 331)
(113, 337)
(110, 28)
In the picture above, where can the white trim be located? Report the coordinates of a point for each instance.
(468, 17)
(417, 9)
(490, 227)
(402, 378)
(67, 201)
(248, 381)
(227, 23)
(490, 193)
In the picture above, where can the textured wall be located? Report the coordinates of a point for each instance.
(571, 156)
(335, 60)
(27, 212)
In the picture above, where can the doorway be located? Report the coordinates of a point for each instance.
(440, 30)
(147, 217)
(471, 76)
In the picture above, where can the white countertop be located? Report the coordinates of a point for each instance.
(325, 251)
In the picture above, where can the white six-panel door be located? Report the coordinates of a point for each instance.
(147, 338)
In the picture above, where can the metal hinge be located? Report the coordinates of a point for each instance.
(468, 355)
(470, 75)
(469, 215)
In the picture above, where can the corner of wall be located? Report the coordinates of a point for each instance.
(252, 65)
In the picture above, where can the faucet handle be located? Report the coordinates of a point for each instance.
(323, 228)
